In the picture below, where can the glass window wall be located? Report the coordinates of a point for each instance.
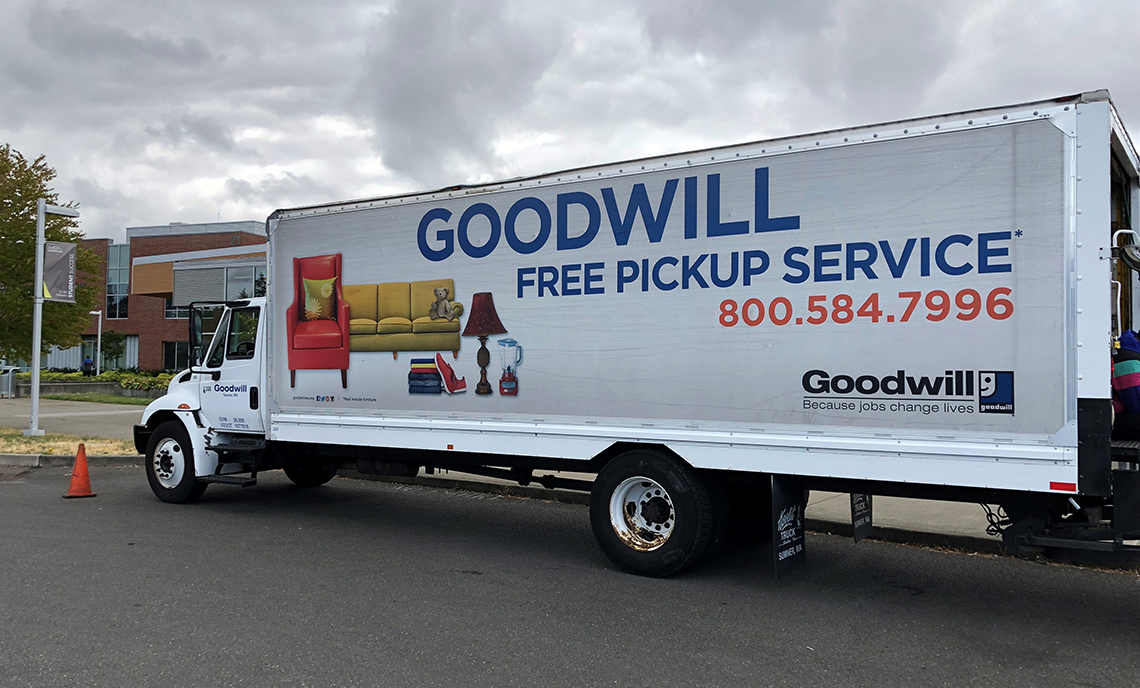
(118, 281)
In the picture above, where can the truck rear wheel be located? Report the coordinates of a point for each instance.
(651, 514)
(310, 476)
(170, 465)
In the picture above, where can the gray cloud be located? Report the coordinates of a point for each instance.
(94, 195)
(729, 27)
(286, 190)
(204, 131)
(69, 33)
(864, 59)
(104, 211)
(154, 111)
(440, 76)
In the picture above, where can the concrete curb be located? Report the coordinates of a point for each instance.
(902, 536)
(57, 460)
(21, 460)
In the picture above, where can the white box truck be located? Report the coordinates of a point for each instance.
(924, 308)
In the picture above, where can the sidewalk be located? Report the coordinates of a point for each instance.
(83, 418)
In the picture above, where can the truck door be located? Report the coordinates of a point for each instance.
(1125, 277)
(232, 400)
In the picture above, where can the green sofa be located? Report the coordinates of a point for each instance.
(393, 316)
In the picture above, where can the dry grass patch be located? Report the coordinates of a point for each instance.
(13, 441)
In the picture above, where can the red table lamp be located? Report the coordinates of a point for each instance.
(482, 322)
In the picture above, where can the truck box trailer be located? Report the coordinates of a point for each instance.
(924, 308)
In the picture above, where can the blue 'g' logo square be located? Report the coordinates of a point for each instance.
(995, 391)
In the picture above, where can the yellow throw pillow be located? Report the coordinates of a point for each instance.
(320, 299)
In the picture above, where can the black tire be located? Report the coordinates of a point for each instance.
(687, 500)
(171, 472)
(310, 476)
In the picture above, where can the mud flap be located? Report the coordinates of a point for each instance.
(1126, 504)
(860, 516)
(787, 524)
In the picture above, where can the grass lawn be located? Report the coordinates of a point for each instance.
(101, 398)
(12, 441)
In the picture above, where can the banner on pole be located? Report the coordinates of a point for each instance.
(59, 272)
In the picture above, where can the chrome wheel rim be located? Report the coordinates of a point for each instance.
(169, 463)
(642, 514)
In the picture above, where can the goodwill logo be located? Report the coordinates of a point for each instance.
(996, 391)
(954, 392)
(225, 390)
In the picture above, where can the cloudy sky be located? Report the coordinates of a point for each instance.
(156, 111)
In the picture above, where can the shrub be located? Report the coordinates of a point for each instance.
(148, 372)
(126, 380)
(145, 381)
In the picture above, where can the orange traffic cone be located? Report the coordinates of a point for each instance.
(80, 480)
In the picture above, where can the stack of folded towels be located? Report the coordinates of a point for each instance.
(424, 378)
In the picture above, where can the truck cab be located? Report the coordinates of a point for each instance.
(210, 425)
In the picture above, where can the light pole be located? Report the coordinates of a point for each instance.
(98, 344)
(38, 311)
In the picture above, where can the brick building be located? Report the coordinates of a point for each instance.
(156, 330)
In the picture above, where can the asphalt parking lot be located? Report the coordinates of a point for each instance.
(364, 583)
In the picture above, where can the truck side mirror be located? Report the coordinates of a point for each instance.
(1130, 254)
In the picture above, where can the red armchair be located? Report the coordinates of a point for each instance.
(317, 344)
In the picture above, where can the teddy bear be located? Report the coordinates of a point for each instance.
(441, 309)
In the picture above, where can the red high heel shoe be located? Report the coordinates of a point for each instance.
(453, 384)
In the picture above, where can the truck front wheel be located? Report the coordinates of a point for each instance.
(170, 465)
(309, 476)
(651, 514)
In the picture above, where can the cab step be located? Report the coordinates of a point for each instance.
(237, 447)
(239, 480)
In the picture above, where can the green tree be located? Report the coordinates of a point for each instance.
(114, 346)
(22, 182)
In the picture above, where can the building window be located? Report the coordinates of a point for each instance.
(240, 283)
(173, 313)
(244, 282)
(128, 358)
(175, 355)
(89, 346)
(118, 280)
